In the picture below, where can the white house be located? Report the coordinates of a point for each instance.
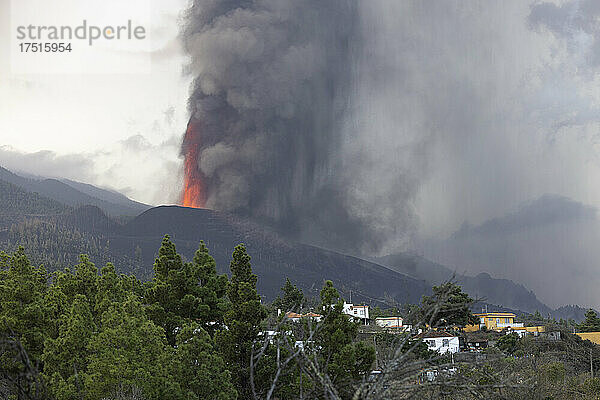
(389, 322)
(357, 311)
(441, 341)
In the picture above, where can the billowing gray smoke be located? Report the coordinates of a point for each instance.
(273, 89)
(342, 121)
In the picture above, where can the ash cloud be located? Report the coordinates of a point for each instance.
(575, 21)
(271, 93)
(365, 126)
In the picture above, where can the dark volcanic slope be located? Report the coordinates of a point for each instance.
(272, 258)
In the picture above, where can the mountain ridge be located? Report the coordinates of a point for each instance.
(64, 193)
(395, 278)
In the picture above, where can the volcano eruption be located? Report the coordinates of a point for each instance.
(271, 111)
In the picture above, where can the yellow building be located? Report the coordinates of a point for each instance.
(495, 321)
(498, 321)
(593, 337)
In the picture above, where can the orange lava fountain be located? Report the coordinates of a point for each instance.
(193, 189)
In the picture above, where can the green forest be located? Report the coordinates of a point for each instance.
(188, 333)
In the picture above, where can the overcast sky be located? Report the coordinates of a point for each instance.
(484, 104)
(117, 130)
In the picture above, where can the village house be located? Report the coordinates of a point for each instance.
(389, 322)
(502, 321)
(441, 341)
(494, 321)
(358, 312)
(527, 330)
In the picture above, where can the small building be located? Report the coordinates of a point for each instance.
(389, 322)
(303, 345)
(295, 317)
(527, 330)
(494, 321)
(553, 335)
(476, 344)
(360, 312)
(441, 341)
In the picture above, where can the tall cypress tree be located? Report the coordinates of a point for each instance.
(243, 321)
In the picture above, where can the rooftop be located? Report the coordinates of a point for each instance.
(435, 334)
(495, 314)
(291, 314)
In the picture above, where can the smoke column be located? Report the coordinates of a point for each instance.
(340, 122)
(272, 133)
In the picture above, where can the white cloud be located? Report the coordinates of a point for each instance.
(121, 131)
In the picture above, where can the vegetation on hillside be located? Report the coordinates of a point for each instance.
(15, 200)
(56, 245)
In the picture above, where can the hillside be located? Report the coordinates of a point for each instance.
(49, 230)
(75, 196)
(549, 244)
(570, 312)
(55, 234)
(481, 286)
(107, 195)
(274, 259)
(17, 201)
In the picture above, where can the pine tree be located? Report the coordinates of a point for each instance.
(113, 288)
(23, 314)
(243, 321)
(82, 281)
(292, 299)
(449, 306)
(198, 368)
(129, 351)
(591, 322)
(345, 360)
(66, 357)
(184, 292)
(212, 291)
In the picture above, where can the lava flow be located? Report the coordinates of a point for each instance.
(193, 189)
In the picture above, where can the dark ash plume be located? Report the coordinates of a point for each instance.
(271, 90)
